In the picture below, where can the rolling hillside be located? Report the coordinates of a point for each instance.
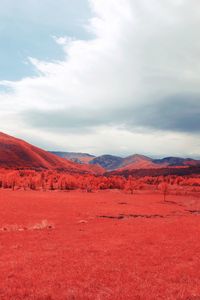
(16, 153)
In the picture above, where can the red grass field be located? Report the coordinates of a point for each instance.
(103, 245)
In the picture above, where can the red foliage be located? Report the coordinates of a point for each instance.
(58, 245)
(53, 180)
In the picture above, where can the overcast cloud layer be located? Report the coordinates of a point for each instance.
(133, 87)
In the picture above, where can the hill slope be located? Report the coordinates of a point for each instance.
(81, 158)
(16, 153)
(138, 161)
(177, 161)
(108, 162)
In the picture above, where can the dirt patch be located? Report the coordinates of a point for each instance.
(194, 212)
(112, 217)
(44, 224)
(123, 216)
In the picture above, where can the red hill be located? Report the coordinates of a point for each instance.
(137, 161)
(16, 153)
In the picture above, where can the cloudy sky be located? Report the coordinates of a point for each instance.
(102, 76)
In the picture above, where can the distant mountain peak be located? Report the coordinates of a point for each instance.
(135, 161)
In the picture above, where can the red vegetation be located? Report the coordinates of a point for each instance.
(105, 245)
(53, 180)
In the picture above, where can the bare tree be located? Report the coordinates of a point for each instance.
(164, 187)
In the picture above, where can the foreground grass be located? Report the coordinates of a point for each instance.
(85, 256)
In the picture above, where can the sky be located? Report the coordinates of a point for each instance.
(102, 76)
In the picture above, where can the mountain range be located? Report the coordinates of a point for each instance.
(16, 153)
(132, 162)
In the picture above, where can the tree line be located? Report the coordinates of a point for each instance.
(53, 180)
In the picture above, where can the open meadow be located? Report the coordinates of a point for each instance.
(67, 245)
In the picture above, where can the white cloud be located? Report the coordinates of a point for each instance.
(143, 52)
